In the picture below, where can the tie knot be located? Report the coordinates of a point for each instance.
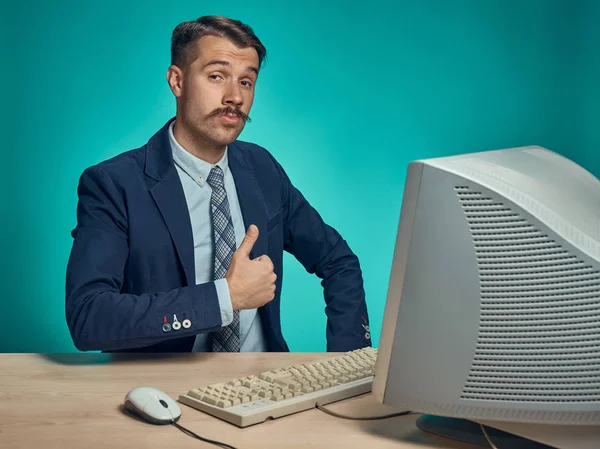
(215, 177)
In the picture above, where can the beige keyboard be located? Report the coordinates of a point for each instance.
(280, 392)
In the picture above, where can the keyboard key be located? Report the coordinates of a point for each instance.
(282, 391)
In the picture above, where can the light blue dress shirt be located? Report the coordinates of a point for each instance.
(193, 173)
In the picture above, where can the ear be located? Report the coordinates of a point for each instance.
(175, 80)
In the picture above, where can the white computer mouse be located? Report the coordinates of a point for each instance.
(152, 405)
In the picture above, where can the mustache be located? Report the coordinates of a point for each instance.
(229, 110)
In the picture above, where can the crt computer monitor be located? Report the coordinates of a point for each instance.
(493, 306)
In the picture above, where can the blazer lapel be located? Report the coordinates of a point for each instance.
(170, 199)
(251, 200)
(254, 212)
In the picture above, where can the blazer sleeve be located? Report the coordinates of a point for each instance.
(99, 316)
(322, 251)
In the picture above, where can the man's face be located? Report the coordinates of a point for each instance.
(217, 90)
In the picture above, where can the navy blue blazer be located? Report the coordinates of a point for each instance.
(132, 260)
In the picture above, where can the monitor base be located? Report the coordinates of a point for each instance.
(470, 432)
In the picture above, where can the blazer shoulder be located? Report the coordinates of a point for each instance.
(120, 166)
(257, 156)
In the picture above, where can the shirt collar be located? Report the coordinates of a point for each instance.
(196, 168)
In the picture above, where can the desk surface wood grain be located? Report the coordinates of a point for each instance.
(75, 401)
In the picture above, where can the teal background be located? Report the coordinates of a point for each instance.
(350, 94)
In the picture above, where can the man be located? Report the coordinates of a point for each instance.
(179, 244)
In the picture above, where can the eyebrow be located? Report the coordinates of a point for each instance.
(227, 64)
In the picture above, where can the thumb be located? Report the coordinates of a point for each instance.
(249, 240)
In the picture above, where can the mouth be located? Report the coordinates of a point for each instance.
(230, 118)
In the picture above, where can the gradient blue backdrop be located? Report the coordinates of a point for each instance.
(350, 94)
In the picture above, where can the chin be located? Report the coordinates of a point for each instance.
(227, 138)
(221, 141)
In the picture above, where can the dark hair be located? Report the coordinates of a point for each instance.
(186, 34)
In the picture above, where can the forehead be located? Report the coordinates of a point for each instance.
(213, 47)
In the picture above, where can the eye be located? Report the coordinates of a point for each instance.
(215, 77)
(247, 83)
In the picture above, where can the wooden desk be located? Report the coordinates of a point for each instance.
(74, 401)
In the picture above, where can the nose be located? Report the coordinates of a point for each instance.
(233, 95)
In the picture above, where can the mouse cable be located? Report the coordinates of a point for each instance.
(487, 437)
(362, 418)
(190, 433)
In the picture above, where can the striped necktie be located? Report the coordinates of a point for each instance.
(226, 339)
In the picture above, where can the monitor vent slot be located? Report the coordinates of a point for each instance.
(539, 329)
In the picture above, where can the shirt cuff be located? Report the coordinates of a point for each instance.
(224, 301)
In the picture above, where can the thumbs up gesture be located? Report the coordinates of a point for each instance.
(251, 282)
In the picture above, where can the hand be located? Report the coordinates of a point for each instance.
(251, 282)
